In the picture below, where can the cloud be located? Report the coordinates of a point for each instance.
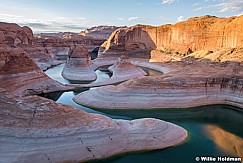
(120, 19)
(196, 4)
(229, 6)
(180, 18)
(168, 1)
(47, 25)
(43, 28)
(198, 9)
(240, 14)
(135, 18)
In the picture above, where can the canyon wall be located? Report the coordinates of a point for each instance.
(13, 35)
(46, 49)
(20, 75)
(198, 33)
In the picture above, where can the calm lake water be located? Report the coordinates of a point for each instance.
(214, 130)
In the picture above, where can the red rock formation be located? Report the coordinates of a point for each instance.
(182, 86)
(35, 129)
(78, 66)
(79, 51)
(20, 75)
(58, 45)
(198, 33)
(12, 34)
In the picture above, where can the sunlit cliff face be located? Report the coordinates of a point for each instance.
(226, 141)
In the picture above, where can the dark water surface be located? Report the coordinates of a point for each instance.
(214, 130)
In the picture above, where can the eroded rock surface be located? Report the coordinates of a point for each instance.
(121, 71)
(78, 66)
(13, 35)
(34, 129)
(185, 85)
(198, 33)
(20, 75)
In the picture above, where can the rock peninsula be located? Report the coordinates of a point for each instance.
(78, 66)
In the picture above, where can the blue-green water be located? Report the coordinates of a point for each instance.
(214, 130)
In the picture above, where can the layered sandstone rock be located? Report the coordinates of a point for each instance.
(185, 85)
(13, 35)
(35, 129)
(198, 33)
(59, 44)
(121, 71)
(78, 66)
(20, 75)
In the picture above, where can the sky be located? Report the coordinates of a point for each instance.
(76, 15)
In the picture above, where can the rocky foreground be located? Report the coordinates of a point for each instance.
(35, 129)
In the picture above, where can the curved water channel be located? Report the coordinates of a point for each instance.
(214, 130)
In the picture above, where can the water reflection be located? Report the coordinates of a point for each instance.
(226, 141)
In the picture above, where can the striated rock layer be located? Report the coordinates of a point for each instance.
(198, 33)
(78, 66)
(13, 35)
(183, 86)
(35, 129)
(121, 71)
(20, 75)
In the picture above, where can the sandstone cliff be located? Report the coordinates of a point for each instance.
(46, 49)
(13, 35)
(20, 74)
(198, 33)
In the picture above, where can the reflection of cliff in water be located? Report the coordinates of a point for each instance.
(228, 142)
(224, 116)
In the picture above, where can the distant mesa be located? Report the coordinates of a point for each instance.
(100, 32)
